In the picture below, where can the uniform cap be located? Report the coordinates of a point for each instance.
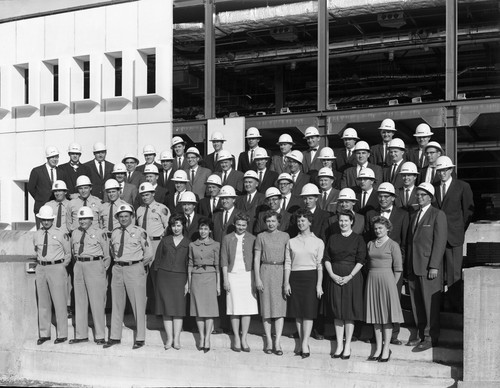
(252, 133)
(296, 155)
(150, 169)
(51, 151)
(325, 172)
(361, 146)
(409, 168)
(397, 143)
(227, 191)
(347, 194)
(166, 155)
(193, 150)
(130, 156)
(423, 130)
(426, 187)
(285, 138)
(444, 162)
(224, 155)
(386, 187)
(350, 133)
(433, 144)
(387, 125)
(99, 147)
(326, 153)
(176, 140)
(180, 176)
(214, 180)
(119, 168)
(311, 131)
(366, 173)
(217, 136)
(260, 153)
(124, 208)
(59, 185)
(74, 148)
(85, 212)
(284, 176)
(83, 180)
(188, 197)
(46, 213)
(111, 184)
(148, 150)
(309, 189)
(146, 187)
(273, 192)
(251, 174)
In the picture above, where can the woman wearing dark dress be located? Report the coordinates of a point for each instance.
(345, 254)
(382, 299)
(172, 280)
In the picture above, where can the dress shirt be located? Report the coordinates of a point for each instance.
(106, 206)
(360, 167)
(54, 172)
(446, 185)
(58, 245)
(156, 218)
(386, 213)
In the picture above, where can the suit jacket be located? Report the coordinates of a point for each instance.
(228, 251)
(268, 180)
(200, 178)
(349, 176)
(70, 175)
(397, 181)
(300, 181)
(458, 205)
(129, 194)
(183, 166)
(260, 225)
(169, 202)
(234, 179)
(330, 205)
(426, 242)
(210, 163)
(221, 229)
(136, 178)
(95, 178)
(191, 232)
(436, 180)
(294, 204)
(412, 156)
(377, 155)
(309, 164)
(244, 164)
(342, 162)
(204, 207)
(40, 186)
(251, 209)
(412, 205)
(371, 202)
(333, 225)
(168, 183)
(141, 167)
(277, 164)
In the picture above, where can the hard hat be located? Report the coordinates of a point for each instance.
(214, 180)
(51, 151)
(83, 180)
(119, 168)
(180, 176)
(273, 192)
(444, 162)
(130, 156)
(251, 174)
(46, 213)
(85, 212)
(148, 150)
(252, 133)
(124, 208)
(326, 153)
(347, 194)
(423, 130)
(434, 144)
(74, 148)
(285, 138)
(217, 136)
(366, 173)
(296, 155)
(260, 153)
(397, 143)
(409, 168)
(387, 125)
(98, 147)
(350, 133)
(150, 169)
(224, 155)
(188, 197)
(311, 131)
(166, 155)
(284, 176)
(386, 187)
(177, 140)
(193, 150)
(309, 189)
(111, 184)
(59, 185)
(361, 146)
(427, 187)
(146, 187)
(227, 191)
(325, 172)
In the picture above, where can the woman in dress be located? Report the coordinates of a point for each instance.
(382, 300)
(237, 261)
(204, 281)
(171, 262)
(269, 258)
(345, 254)
(303, 278)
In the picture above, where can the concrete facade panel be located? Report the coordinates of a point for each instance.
(121, 140)
(57, 40)
(154, 20)
(121, 32)
(87, 137)
(90, 31)
(30, 40)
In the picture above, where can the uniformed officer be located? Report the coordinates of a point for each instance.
(132, 253)
(90, 248)
(53, 252)
(108, 220)
(59, 205)
(85, 198)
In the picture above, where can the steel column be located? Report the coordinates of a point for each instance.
(451, 77)
(209, 59)
(279, 95)
(323, 51)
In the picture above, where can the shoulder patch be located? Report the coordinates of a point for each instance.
(144, 235)
(66, 237)
(164, 211)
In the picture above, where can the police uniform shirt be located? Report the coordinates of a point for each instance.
(105, 207)
(76, 203)
(156, 219)
(136, 244)
(65, 214)
(95, 243)
(58, 245)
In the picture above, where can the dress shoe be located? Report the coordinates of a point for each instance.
(177, 347)
(268, 351)
(138, 344)
(385, 359)
(373, 358)
(206, 350)
(235, 349)
(336, 355)
(413, 342)
(60, 340)
(395, 341)
(278, 352)
(111, 342)
(200, 348)
(100, 341)
(317, 335)
(245, 349)
(41, 340)
(423, 346)
(305, 355)
(78, 340)
(344, 357)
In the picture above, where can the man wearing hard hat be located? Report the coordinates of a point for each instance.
(267, 178)
(279, 161)
(149, 153)
(197, 175)
(311, 161)
(100, 169)
(73, 169)
(211, 204)
(85, 198)
(380, 152)
(178, 147)
(60, 205)
(134, 176)
(422, 135)
(211, 161)
(345, 156)
(406, 195)
(246, 158)
(251, 201)
(229, 176)
(128, 191)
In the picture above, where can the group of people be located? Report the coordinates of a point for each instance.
(314, 235)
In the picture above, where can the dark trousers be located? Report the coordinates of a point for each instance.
(453, 258)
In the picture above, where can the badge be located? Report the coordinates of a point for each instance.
(132, 234)
(92, 236)
(153, 211)
(93, 204)
(54, 237)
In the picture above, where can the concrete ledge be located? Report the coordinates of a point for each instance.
(16, 242)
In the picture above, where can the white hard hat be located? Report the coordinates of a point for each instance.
(129, 156)
(46, 213)
(309, 189)
(260, 153)
(214, 180)
(397, 143)
(51, 151)
(386, 187)
(252, 132)
(148, 150)
(119, 168)
(224, 155)
(326, 153)
(444, 162)
(434, 144)
(150, 169)
(347, 194)
(387, 125)
(284, 176)
(124, 208)
(111, 184)
(325, 172)
(180, 176)
(273, 192)
(217, 136)
(296, 155)
(423, 130)
(427, 187)
(176, 140)
(188, 197)
(85, 212)
(361, 146)
(227, 191)
(83, 180)
(251, 174)
(193, 150)
(146, 187)
(366, 173)
(98, 147)
(409, 168)
(350, 133)
(59, 185)
(285, 138)
(311, 131)
(166, 155)
(74, 148)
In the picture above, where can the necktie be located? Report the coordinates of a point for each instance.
(216, 156)
(52, 175)
(75, 166)
(145, 218)
(101, 173)
(226, 218)
(363, 201)
(407, 197)
(224, 179)
(59, 214)
(85, 202)
(385, 212)
(443, 191)
(260, 176)
(192, 177)
(323, 201)
(283, 205)
(251, 155)
(188, 221)
(176, 198)
(165, 179)
(417, 221)
(393, 172)
(129, 175)
(45, 243)
(433, 173)
(294, 177)
(422, 158)
(384, 156)
(348, 154)
(214, 203)
(110, 217)
(122, 243)
(249, 199)
(179, 162)
(82, 242)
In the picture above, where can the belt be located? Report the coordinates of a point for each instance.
(204, 266)
(50, 262)
(93, 258)
(109, 234)
(156, 238)
(127, 263)
(272, 263)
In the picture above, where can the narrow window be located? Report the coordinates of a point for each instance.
(118, 77)
(55, 73)
(151, 77)
(26, 86)
(86, 79)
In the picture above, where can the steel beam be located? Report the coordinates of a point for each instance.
(451, 77)
(210, 87)
(323, 51)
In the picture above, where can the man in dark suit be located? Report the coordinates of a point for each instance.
(299, 178)
(151, 175)
(432, 152)
(73, 169)
(273, 202)
(178, 147)
(246, 158)
(133, 176)
(128, 192)
(211, 204)
(224, 220)
(197, 175)
(350, 175)
(172, 201)
(345, 157)
(211, 161)
(167, 171)
(366, 194)
(454, 197)
(149, 153)
(397, 158)
(426, 246)
(100, 169)
(311, 161)
(289, 202)
(328, 198)
(229, 176)
(310, 195)
(423, 135)
(188, 202)
(251, 201)
(267, 178)
(279, 161)
(380, 152)
(406, 196)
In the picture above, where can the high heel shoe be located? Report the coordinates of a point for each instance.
(373, 358)
(305, 355)
(385, 359)
(336, 355)
(344, 357)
